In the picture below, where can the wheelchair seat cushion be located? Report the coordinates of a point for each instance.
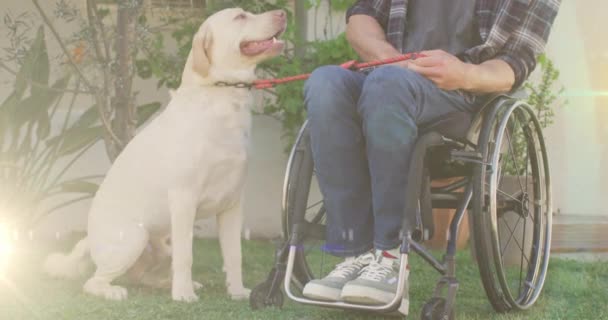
(454, 125)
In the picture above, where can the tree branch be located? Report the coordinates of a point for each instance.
(123, 103)
(49, 24)
(94, 25)
(101, 101)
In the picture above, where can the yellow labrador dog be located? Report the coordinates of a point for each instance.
(188, 163)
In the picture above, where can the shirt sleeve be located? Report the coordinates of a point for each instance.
(522, 64)
(528, 41)
(377, 9)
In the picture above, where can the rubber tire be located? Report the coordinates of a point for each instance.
(481, 232)
(296, 180)
(480, 241)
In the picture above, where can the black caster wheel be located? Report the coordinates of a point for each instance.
(433, 310)
(260, 299)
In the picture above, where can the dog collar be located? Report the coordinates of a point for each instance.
(239, 85)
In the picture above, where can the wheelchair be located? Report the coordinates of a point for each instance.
(498, 163)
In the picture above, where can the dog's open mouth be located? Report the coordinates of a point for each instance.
(254, 48)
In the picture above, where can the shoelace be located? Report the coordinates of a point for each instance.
(375, 271)
(346, 268)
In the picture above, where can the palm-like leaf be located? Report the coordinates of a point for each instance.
(30, 149)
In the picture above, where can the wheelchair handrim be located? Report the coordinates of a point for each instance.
(531, 293)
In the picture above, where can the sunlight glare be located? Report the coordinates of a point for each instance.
(6, 249)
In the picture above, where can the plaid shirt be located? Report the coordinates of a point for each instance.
(515, 31)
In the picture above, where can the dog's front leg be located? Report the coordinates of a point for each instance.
(182, 205)
(229, 228)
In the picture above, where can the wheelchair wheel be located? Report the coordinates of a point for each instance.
(303, 203)
(512, 206)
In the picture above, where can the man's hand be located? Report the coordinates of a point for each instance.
(444, 69)
(367, 37)
(450, 73)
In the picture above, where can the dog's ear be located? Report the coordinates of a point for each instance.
(201, 50)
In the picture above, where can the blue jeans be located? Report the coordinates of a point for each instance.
(363, 129)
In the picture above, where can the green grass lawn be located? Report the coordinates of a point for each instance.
(574, 290)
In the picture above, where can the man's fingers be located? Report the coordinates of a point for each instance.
(431, 53)
(429, 61)
(425, 71)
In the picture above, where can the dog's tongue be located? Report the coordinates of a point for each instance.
(253, 48)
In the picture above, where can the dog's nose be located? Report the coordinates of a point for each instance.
(280, 14)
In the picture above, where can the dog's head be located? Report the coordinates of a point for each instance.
(231, 42)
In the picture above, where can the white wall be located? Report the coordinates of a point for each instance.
(576, 143)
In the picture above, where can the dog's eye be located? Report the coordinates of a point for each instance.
(241, 16)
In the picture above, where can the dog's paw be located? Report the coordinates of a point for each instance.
(105, 290)
(239, 294)
(185, 296)
(184, 293)
(115, 293)
(197, 285)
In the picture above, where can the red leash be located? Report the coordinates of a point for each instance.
(350, 65)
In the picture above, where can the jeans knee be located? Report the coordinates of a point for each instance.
(389, 128)
(328, 89)
(324, 80)
(391, 87)
(393, 79)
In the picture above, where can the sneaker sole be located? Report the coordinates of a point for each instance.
(365, 295)
(316, 291)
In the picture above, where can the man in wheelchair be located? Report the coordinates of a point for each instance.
(363, 125)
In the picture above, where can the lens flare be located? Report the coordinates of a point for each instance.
(6, 249)
(584, 93)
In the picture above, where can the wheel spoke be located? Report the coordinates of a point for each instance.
(514, 160)
(506, 194)
(523, 254)
(502, 172)
(527, 158)
(525, 128)
(512, 237)
(502, 253)
(526, 185)
(520, 246)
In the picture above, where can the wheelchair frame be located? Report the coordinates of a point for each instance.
(290, 265)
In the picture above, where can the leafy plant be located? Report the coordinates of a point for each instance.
(287, 101)
(543, 97)
(156, 62)
(42, 135)
(34, 157)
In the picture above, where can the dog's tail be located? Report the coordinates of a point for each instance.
(68, 266)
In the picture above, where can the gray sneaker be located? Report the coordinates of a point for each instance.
(330, 287)
(377, 283)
